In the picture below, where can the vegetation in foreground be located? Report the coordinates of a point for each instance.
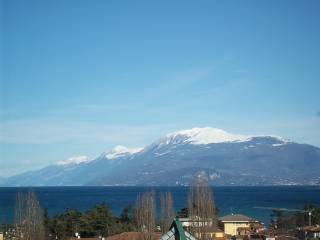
(97, 221)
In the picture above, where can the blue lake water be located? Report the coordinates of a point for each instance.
(227, 199)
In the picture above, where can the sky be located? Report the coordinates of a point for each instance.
(80, 77)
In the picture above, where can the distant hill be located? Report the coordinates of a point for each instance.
(226, 159)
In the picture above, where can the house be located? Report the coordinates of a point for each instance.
(76, 238)
(176, 232)
(132, 236)
(195, 222)
(270, 237)
(214, 233)
(207, 226)
(185, 222)
(253, 229)
(256, 237)
(310, 232)
(236, 224)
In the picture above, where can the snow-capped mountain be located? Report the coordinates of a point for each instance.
(74, 161)
(121, 151)
(204, 136)
(225, 158)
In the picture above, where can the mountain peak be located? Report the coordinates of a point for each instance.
(205, 135)
(120, 151)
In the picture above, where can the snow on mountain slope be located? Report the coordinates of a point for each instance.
(74, 161)
(121, 151)
(205, 135)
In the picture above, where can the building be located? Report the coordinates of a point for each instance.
(236, 224)
(207, 226)
(1, 236)
(270, 237)
(195, 222)
(132, 236)
(214, 233)
(76, 238)
(310, 232)
(176, 232)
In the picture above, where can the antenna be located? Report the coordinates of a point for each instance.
(231, 210)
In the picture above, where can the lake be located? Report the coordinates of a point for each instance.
(227, 199)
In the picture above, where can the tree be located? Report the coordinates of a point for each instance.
(183, 213)
(46, 223)
(167, 213)
(127, 214)
(97, 221)
(145, 214)
(315, 213)
(29, 217)
(72, 220)
(202, 211)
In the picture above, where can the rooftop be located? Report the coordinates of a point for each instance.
(315, 228)
(237, 218)
(177, 232)
(131, 236)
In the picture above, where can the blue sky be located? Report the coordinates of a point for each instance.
(79, 77)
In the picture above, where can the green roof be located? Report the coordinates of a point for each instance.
(177, 232)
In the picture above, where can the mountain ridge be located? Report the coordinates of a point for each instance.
(226, 159)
